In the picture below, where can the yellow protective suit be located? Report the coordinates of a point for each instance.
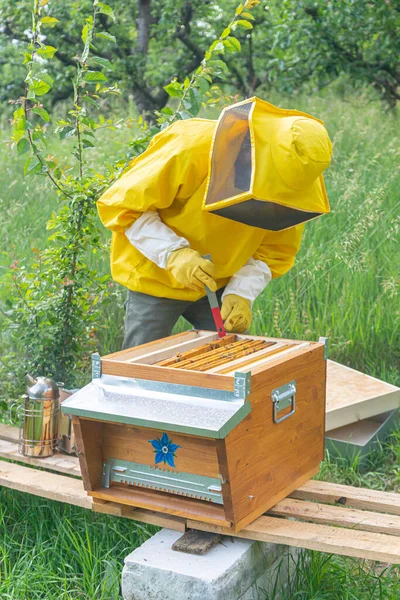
(171, 178)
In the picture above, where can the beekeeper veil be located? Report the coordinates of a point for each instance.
(266, 166)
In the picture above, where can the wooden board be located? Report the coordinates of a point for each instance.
(323, 538)
(262, 469)
(62, 463)
(126, 442)
(352, 396)
(160, 502)
(371, 544)
(9, 433)
(337, 515)
(347, 495)
(207, 380)
(47, 485)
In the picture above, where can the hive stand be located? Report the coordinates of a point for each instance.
(319, 515)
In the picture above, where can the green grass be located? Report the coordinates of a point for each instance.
(55, 551)
(345, 284)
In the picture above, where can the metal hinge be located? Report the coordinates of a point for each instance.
(241, 388)
(282, 397)
(325, 341)
(96, 365)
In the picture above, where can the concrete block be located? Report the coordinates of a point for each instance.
(235, 569)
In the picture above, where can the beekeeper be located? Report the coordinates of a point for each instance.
(239, 189)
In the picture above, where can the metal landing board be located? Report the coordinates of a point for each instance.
(212, 414)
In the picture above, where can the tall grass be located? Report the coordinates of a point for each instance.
(345, 284)
(346, 281)
(56, 551)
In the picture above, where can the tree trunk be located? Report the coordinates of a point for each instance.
(143, 24)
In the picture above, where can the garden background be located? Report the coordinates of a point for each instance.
(82, 120)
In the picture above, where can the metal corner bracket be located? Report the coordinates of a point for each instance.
(242, 385)
(325, 341)
(96, 365)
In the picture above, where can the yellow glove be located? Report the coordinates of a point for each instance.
(190, 269)
(236, 313)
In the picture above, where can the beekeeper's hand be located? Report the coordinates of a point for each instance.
(236, 313)
(190, 269)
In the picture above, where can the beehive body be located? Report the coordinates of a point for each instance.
(228, 476)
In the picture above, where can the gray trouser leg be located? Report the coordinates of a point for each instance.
(149, 318)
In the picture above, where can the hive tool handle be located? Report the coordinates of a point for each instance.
(215, 310)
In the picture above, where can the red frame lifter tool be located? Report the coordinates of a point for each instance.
(215, 310)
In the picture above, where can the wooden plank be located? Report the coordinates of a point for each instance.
(129, 353)
(61, 463)
(9, 433)
(138, 514)
(245, 360)
(159, 355)
(43, 484)
(196, 542)
(323, 538)
(336, 515)
(89, 445)
(259, 476)
(228, 355)
(258, 366)
(231, 347)
(199, 349)
(359, 433)
(164, 503)
(346, 495)
(353, 396)
(70, 491)
(217, 382)
(125, 442)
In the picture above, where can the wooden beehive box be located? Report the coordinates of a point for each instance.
(214, 430)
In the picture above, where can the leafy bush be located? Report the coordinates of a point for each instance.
(54, 308)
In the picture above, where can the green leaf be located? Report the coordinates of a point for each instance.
(91, 101)
(248, 15)
(94, 76)
(203, 84)
(27, 57)
(174, 89)
(32, 166)
(67, 132)
(39, 87)
(235, 43)
(225, 33)
(87, 143)
(46, 51)
(104, 62)
(42, 112)
(239, 9)
(23, 146)
(49, 22)
(85, 33)
(219, 47)
(244, 24)
(105, 9)
(106, 36)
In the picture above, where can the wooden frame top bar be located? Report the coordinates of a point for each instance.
(143, 362)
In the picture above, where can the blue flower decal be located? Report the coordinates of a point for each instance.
(164, 450)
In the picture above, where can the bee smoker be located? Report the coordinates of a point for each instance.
(40, 413)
